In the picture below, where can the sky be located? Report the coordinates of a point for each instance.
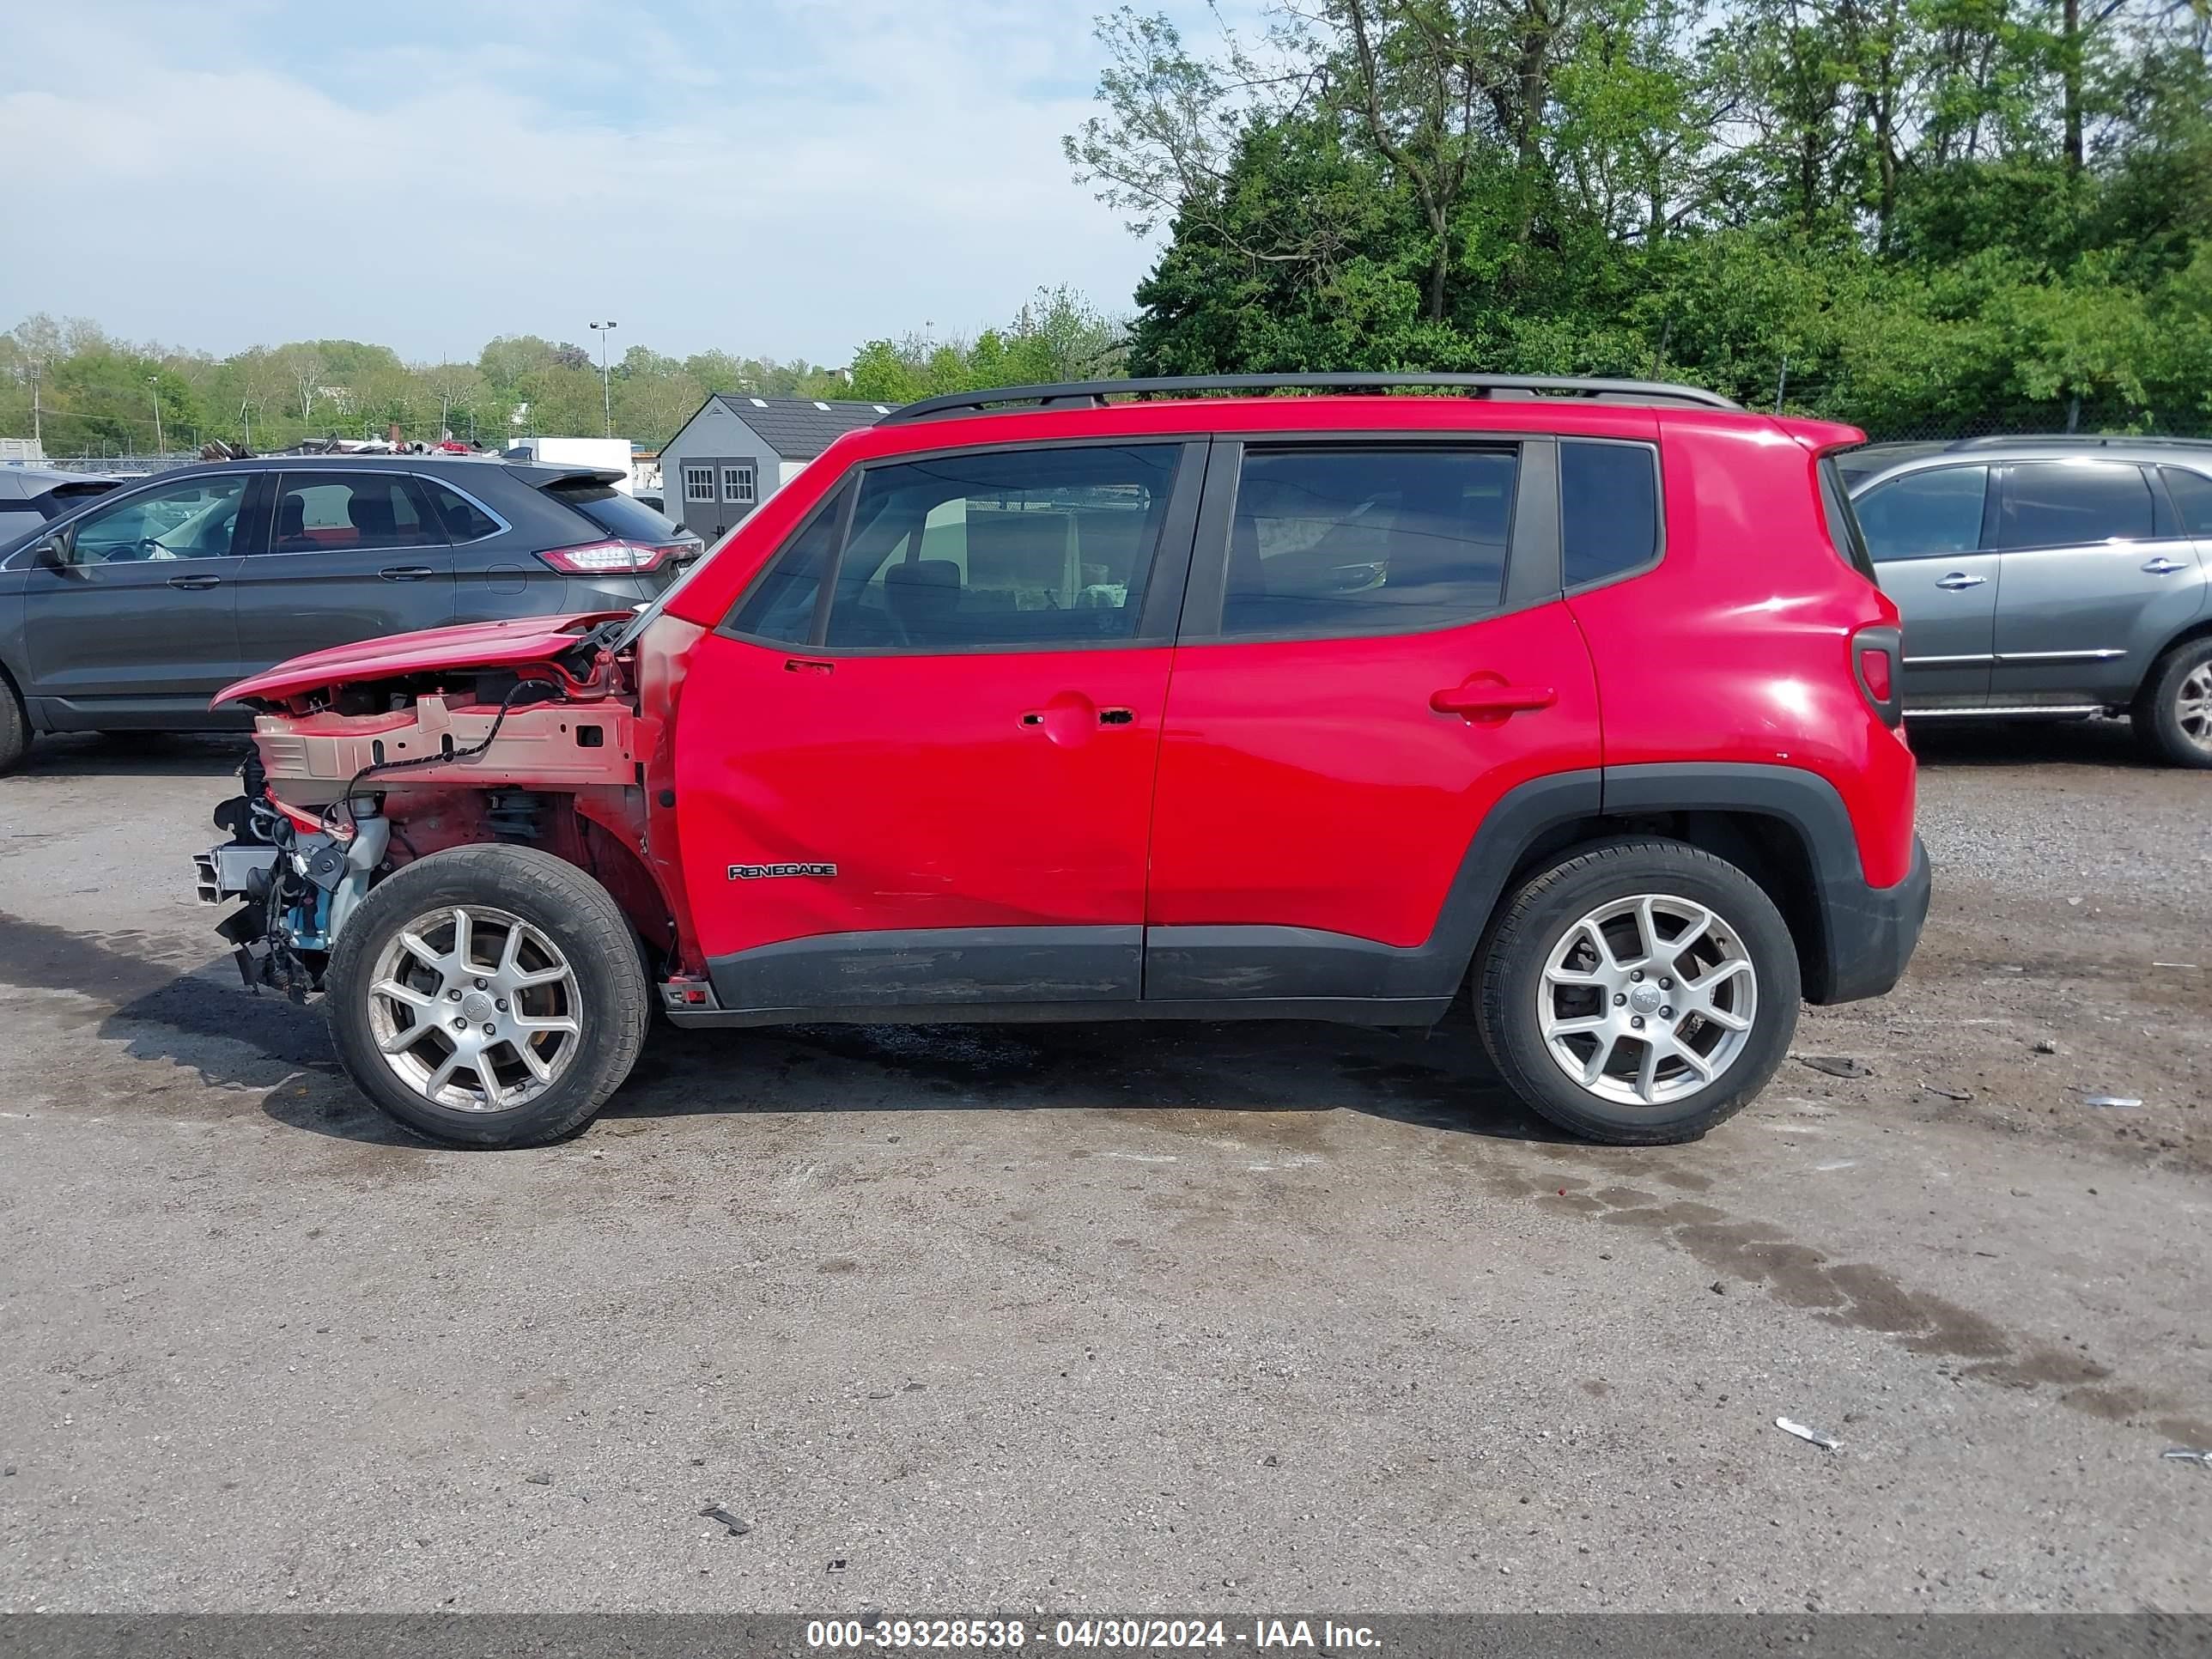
(787, 178)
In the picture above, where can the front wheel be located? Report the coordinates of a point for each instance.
(1640, 991)
(488, 996)
(14, 726)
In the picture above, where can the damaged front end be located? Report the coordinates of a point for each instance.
(371, 757)
(300, 877)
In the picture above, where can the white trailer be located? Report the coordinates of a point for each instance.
(613, 453)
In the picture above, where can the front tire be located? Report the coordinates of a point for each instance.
(1640, 991)
(14, 727)
(2173, 715)
(488, 996)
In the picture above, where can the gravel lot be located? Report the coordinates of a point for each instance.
(1240, 1317)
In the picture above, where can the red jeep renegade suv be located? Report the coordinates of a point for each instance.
(1577, 697)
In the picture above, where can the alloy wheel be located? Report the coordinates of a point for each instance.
(2192, 706)
(1647, 999)
(474, 1009)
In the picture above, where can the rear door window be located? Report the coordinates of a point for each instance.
(2074, 504)
(1608, 509)
(346, 512)
(1367, 540)
(1924, 515)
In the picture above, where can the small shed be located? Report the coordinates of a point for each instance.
(739, 450)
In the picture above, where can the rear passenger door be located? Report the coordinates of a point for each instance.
(1925, 532)
(2097, 576)
(351, 556)
(1375, 651)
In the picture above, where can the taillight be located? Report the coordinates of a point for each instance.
(1876, 655)
(616, 558)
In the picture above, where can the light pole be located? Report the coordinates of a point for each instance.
(606, 388)
(154, 386)
(246, 414)
(38, 436)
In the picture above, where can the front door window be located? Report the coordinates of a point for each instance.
(196, 519)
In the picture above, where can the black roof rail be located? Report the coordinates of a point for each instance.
(2096, 440)
(1092, 394)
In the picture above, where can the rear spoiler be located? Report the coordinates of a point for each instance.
(555, 476)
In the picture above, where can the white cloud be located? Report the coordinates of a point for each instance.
(787, 177)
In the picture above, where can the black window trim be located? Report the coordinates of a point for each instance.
(2001, 486)
(1164, 585)
(426, 516)
(1532, 548)
(1658, 505)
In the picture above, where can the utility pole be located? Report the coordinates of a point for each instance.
(607, 386)
(37, 435)
(154, 385)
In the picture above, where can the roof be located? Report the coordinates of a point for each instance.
(1861, 465)
(799, 428)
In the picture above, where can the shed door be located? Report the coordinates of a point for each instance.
(697, 486)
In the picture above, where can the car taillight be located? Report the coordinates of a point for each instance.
(1876, 654)
(616, 558)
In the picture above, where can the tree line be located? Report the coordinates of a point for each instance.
(99, 395)
(1926, 215)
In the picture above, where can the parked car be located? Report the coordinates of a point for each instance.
(2049, 578)
(1574, 698)
(127, 611)
(31, 497)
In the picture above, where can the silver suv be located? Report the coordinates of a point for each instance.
(2045, 578)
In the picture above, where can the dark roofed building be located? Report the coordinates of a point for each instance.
(739, 450)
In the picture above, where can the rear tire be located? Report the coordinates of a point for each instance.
(1585, 947)
(2172, 715)
(510, 1030)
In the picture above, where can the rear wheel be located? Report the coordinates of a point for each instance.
(1640, 991)
(488, 996)
(2173, 715)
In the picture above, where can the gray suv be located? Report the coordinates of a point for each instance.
(2045, 578)
(130, 611)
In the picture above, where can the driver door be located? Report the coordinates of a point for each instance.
(135, 627)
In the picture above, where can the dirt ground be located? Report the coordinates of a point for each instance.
(1118, 1318)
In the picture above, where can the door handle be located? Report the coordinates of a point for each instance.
(1494, 701)
(2162, 566)
(195, 582)
(1958, 580)
(406, 573)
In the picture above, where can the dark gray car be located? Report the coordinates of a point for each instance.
(2048, 578)
(130, 612)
